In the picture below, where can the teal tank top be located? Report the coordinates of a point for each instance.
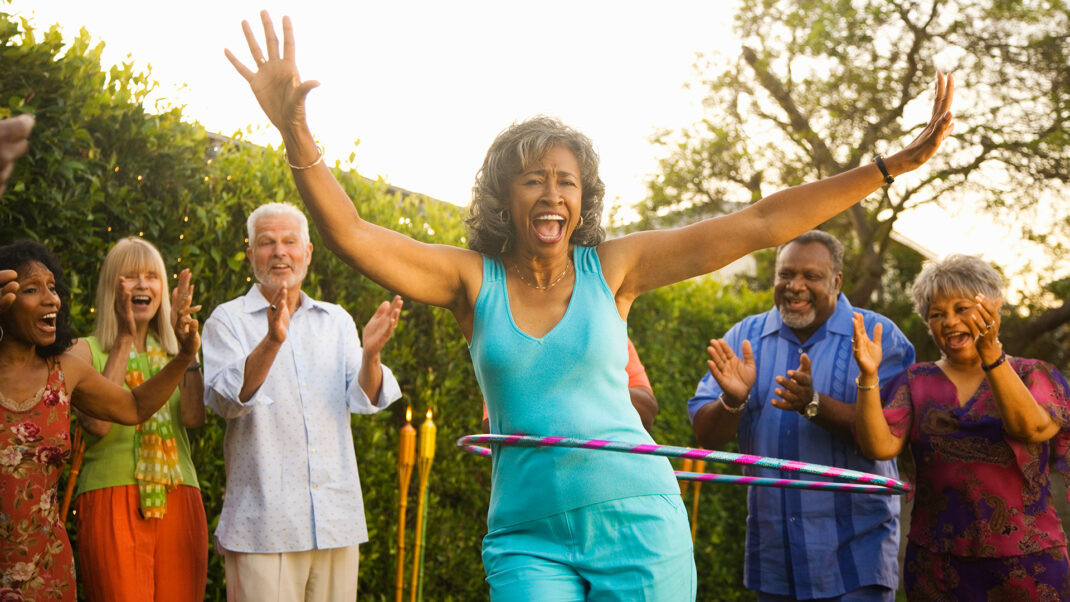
(570, 383)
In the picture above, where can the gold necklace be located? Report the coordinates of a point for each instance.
(536, 285)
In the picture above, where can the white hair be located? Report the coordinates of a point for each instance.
(276, 210)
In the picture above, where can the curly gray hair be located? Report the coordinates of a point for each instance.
(490, 228)
(956, 274)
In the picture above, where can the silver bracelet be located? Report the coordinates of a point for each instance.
(310, 165)
(736, 409)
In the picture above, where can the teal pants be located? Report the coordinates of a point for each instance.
(636, 548)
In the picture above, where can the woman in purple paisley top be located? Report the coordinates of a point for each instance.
(39, 380)
(981, 426)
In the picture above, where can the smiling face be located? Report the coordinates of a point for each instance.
(279, 252)
(545, 200)
(805, 288)
(146, 293)
(32, 318)
(947, 320)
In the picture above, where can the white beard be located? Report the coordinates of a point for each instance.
(797, 320)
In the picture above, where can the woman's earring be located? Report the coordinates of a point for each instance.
(1, 333)
(580, 225)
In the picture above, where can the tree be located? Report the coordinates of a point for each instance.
(821, 86)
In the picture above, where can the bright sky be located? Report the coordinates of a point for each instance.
(425, 86)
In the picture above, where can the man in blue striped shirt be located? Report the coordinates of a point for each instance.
(784, 382)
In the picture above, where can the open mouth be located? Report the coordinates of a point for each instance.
(142, 300)
(47, 322)
(797, 304)
(959, 340)
(549, 227)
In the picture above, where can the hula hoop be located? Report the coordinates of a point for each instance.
(858, 482)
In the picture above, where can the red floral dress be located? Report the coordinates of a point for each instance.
(35, 555)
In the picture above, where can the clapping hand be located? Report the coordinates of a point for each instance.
(796, 389)
(381, 326)
(278, 315)
(8, 287)
(735, 376)
(868, 352)
(124, 305)
(182, 298)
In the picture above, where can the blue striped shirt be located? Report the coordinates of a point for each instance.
(812, 544)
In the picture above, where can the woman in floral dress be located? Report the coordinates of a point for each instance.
(39, 380)
(981, 426)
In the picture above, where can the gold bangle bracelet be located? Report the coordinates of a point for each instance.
(862, 387)
(318, 160)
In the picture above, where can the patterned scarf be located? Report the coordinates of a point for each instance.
(155, 454)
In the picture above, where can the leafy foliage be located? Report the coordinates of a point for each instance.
(101, 167)
(821, 86)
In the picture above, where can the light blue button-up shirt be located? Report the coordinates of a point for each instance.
(812, 544)
(292, 482)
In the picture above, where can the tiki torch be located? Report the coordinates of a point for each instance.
(425, 457)
(406, 460)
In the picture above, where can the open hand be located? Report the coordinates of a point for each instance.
(940, 126)
(381, 326)
(182, 298)
(868, 352)
(276, 82)
(735, 376)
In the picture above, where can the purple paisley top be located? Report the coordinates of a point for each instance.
(979, 492)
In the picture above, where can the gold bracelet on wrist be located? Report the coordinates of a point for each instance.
(862, 387)
(310, 165)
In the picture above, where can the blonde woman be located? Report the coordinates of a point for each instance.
(142, 533)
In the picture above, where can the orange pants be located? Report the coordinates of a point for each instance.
(123, 557)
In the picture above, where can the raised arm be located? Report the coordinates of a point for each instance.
(435, 274)
(647, 260)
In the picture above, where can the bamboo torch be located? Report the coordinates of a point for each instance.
(700, 466)
(78, 447)
(406, 460)
(425, 457)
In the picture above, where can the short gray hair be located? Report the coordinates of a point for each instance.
(276, 210)
(490, 228)
(956, 274)
(833, 244)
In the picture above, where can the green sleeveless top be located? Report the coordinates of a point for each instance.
(109, 460)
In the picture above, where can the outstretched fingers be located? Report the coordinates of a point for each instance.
(271, 41)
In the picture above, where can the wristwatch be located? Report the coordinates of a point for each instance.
(810, 411)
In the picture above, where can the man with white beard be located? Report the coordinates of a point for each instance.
(286, 371)
(785, 383)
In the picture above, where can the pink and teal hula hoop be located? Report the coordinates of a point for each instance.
(857, 482)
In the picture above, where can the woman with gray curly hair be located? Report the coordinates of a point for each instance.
(981, 426)
(543, 301)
